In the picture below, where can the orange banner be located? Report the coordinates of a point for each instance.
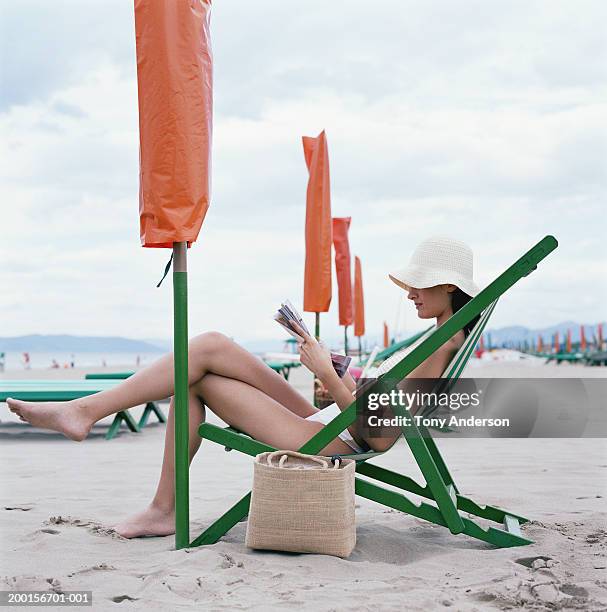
(386, 336)
(556, 343)
(317, 277)
(568, 342)
(343, 268)
(540, 346)
(174, 80)
(582, 338)
(359, 300)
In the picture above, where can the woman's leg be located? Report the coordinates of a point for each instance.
(211, 352)
(159, 517)
(242, 406)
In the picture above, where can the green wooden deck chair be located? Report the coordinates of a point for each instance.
(440, 487)
(283, 367)
(66, 390)
(568, 357)
(109, 375)
(597, 358)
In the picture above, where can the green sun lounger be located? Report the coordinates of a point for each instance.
(440, 487)
(108, 375)
(596, 358)
(66, 390)
(281, 367)
(562, 357)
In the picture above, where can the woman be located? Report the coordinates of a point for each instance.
(252, 398)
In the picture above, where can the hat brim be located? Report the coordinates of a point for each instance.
(422, 279)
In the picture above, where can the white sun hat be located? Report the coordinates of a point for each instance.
(438, 260)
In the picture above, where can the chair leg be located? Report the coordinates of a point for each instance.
(442, 492)
(437, 457)
(224, 523)
(503, 538)
(465, 504)
(149, 408)
(123, 415)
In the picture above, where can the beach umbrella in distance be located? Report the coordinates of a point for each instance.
(317, 275)
(568, 343)
(582, 339)
(343, 271)
(386, 336)
(359, 303)
(174, 82)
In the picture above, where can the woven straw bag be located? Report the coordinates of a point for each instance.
(300, 503)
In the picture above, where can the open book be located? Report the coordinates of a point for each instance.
(287, 315)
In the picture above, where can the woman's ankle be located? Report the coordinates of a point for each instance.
(163, 507)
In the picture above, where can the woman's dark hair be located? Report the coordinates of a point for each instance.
(458, 300)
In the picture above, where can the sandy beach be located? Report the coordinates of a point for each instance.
(59, 498)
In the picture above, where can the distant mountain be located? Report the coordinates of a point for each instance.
(518, 333)
(77, 344)
(166, 344)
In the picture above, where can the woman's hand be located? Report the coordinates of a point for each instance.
(314, 355)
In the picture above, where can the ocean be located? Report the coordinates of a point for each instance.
(15, 360)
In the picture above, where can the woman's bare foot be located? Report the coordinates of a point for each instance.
(151, 522)
(64, 417)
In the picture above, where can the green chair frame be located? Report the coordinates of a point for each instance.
(440, 486)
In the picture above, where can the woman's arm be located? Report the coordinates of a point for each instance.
(337, 388)
(317, 359)
(349, 381)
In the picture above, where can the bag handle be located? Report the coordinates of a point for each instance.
(284, 456)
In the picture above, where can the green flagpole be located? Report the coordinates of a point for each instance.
(346, 339)
(180, 360)
(317, 336)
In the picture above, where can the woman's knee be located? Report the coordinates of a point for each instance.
(208, 342)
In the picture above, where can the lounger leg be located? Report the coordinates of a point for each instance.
(114, 427)
(123, 415)
(149, 408)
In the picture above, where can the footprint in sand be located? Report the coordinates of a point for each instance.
(228, 561)
(121, 598)
(101, 567)
(22, 507)
(91, 526)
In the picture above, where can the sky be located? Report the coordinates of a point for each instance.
(482, 120)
